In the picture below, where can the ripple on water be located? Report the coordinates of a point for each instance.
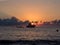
(28, 34)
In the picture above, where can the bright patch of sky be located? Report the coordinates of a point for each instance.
(47, 9)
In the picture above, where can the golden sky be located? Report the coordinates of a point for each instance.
(32, 10)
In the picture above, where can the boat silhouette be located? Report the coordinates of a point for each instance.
(30, 25)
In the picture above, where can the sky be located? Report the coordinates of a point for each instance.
(32, 10)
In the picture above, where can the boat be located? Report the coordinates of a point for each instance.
(30, 25)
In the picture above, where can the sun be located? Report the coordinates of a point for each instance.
(32, 17)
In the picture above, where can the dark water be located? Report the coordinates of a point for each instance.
(29, 42)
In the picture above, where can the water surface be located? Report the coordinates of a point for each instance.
(13, 33)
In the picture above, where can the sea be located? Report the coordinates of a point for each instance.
(38, 33)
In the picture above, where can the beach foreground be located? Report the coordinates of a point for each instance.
(29, 42)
